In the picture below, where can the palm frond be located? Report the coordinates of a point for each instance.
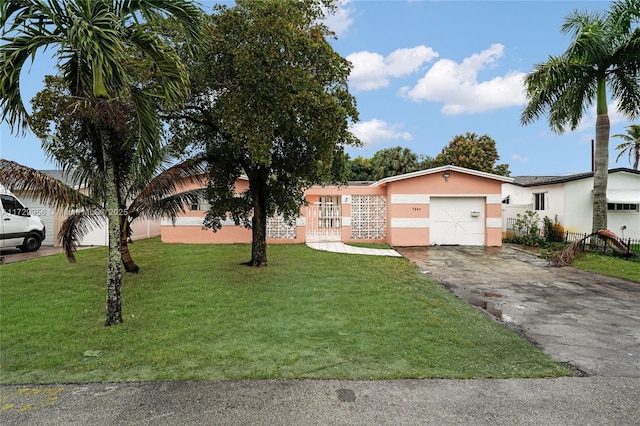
(76, 227)
(171, 71)
(186, 13)
(45, 188)
(168, 183)
(171, 206)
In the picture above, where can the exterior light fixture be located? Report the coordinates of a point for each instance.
(446, 176)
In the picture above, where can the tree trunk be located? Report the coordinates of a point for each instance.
(258, 228)
(127, 260)
(114, 275)
(601, 163)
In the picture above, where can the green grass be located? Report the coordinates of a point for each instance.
(608, 265)
(195, 313)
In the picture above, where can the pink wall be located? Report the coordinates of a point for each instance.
(408, 209)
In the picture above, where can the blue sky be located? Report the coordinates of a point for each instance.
(426, 71)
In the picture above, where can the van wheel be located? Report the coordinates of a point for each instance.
(31, 242)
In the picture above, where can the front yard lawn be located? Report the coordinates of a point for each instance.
(195, 313)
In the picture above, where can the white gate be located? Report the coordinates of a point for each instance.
(324, 220)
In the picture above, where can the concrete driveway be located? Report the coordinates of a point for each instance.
(589, 321)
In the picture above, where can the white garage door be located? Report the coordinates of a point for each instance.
(44, 212)
(457, 221)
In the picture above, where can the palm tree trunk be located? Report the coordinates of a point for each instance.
(601, 163)
(114, 274)
(127, 260)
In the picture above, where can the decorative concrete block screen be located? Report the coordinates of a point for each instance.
(368, 217)
(279, 229)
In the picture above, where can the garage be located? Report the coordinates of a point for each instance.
(457, 221)
(45, 213)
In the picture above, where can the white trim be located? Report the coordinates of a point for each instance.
(409, 222)
(346, 220)
(410, 199)
(486, 196)
(494, 198)
(493, 222)
(442, 169)
(623, 197)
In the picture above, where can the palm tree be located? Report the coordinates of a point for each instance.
(631, 144)
(161, 197)
(393, 161)
(604, 53)
(92, 40)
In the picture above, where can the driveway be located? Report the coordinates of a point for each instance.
(589, 321)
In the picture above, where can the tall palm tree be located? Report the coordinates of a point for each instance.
(603, 54)
(631, 144)
(164, 196)
(92, 40)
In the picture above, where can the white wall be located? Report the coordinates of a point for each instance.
(630, 183)
(142, 228)
(579, 202)
(521, 199)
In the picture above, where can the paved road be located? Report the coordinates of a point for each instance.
(580, 318)
(562, 401)
(587, 320)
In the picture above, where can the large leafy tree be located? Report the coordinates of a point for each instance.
(92, 41)
(269, 100)
(631, 144)
(603, 55)
(359, 168)
(473, 152)
(393, 161)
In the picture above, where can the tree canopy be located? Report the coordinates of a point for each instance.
(473, 152)
(269, 100)
(603, 54)
(393, 162)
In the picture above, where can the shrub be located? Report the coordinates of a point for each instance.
(553, 231)
(527, 229)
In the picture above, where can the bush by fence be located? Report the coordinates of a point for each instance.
(524, 231)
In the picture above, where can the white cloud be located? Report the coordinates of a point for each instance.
(372, 70)
(341, 20)
(457, 86)
(375, 131)
(519, 158)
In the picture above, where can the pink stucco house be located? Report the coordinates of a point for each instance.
(441, 206)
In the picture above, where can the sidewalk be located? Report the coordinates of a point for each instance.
(338, 247)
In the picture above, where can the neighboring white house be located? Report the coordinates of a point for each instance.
(52, 218)
(569, 199)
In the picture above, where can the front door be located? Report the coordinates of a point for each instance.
(324, 220)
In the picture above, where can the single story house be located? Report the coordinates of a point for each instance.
(445, 205)
(569, 200)
(53, 218)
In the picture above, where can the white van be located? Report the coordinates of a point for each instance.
(18, 228)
